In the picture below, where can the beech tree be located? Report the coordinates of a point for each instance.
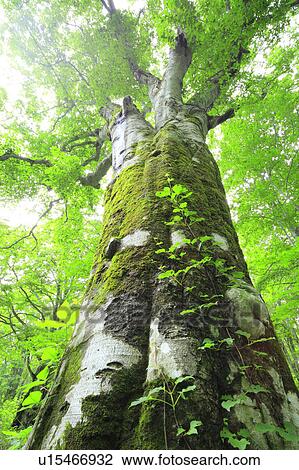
(174, 347)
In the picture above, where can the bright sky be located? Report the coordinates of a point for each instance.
(27, 212)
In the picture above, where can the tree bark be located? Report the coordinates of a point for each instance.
(130, 335)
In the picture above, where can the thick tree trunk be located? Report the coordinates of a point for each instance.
(130, 336)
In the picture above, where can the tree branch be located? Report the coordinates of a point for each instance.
(94, 179)
(146, 78)
(31, 232)
(110, 7)
(10, 154)
(77, 137)
(214, 121)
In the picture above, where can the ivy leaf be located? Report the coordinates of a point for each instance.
(228, 404)
(207, 344)
(180, 431)
(166, 274)
(183, 378)
(243, 333)
(33, 399)
(164, 193)
(193, 427)
(43, 374)
(265, 427)
(240, 444)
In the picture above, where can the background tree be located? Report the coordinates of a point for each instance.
(170, 312)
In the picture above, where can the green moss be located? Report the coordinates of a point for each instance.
(107, 422)
(132, 204)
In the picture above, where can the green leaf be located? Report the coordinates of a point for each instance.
(239, 443)
(155, 390)
(193, 427)
(164, 193)
(180, 431)
(188, 389)
(228, 404)
(49, 354)
(243, 333)
(228, 341)
(190, 310)
(265, 427)
(179, 189)
(183, 378)
(166, 274)
(29, 386)
(140, 400)
(43, 374)
(256, 389)
(207, 344)
(244, 432)
(289, 433)
(161, 250)
(33, 399)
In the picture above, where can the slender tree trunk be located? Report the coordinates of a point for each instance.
(131, 337)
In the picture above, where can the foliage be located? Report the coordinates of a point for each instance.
(258, 158)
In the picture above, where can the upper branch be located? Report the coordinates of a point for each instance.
(170, 91)
(109, 6)
(179, 61)
(94, 179)
(214, 121)
(146, 78)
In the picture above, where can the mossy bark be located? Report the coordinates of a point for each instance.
(130, 335)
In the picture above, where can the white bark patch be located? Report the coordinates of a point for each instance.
(220, 241)
(249, 415)
(118, 143)
(172, 356)
(102, 354)
(130, 162)
(128, 130)
(138, 238)
(290, 405)
(250, 312)
(177, 237)
(291, 409)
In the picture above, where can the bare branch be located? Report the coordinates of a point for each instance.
(31, 232)
(77, 137)
(109, 6)
(94, 179)
(214, 121)
(10, 154)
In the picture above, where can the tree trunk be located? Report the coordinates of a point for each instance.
(131, 336)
